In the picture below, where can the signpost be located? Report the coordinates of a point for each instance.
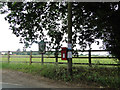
(42, 49)
(69, 46)
(69, 54)
(42, 46)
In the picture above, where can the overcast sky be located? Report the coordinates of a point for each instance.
(9, 42)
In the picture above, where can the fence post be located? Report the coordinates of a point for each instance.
(8, 56)
(90, 58)
(56, 56)
(30, 57)
(42, 59)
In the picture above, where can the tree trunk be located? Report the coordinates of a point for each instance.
(69, 35)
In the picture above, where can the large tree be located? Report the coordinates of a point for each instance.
(108, 17)
(33, 21)
(90, 21)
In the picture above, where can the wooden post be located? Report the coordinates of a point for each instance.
(56, 56)
(42, 61)
(8, 56)
(69, 35)
(30, 57)
(56, 60)
(90, 58)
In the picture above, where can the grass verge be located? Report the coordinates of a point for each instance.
(104, 76)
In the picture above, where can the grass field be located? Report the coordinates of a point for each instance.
(100, 76)
(25, 58)
(103, 75)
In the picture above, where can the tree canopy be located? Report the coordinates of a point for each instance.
(90, 21)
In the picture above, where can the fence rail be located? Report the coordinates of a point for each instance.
(42, 58)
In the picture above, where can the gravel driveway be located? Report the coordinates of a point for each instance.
(17, 79)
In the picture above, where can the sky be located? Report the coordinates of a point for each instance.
(9, 42)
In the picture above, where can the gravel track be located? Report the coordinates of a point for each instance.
(27, 80)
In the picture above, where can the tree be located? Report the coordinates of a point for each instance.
(69, 35)
(90, 21)
(18, 51)
(112, 33)
(30, 22)
(108, 25)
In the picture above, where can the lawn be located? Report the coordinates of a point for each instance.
(25, 58)
(103, 75)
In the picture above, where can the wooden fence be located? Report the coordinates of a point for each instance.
(42, 58)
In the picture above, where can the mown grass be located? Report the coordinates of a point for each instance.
(103, 76)
(107, 76)
(75, 60)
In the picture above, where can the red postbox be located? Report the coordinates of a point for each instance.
(64, 53)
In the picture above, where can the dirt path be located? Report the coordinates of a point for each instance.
(28, 80)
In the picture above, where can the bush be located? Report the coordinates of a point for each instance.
(108, 77)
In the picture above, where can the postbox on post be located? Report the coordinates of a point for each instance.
(64, 53)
